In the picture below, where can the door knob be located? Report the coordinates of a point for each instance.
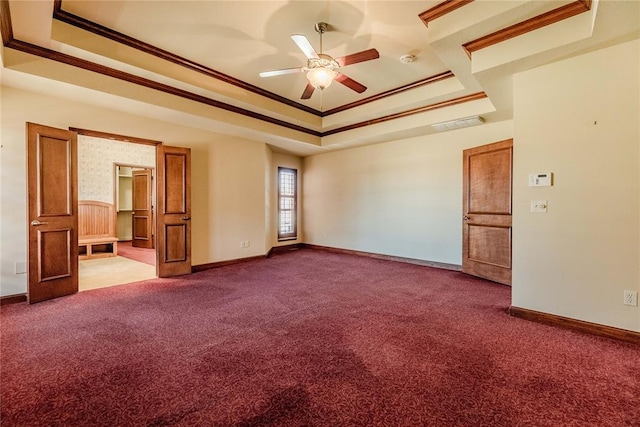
(36, 223)
(185, 218)
(466, 218)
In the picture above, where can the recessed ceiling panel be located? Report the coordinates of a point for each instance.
(243, 38)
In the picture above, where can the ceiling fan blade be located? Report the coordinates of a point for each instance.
(308, 91)
(305, 46)
(281, 72)
(350, 83)
(354, 58)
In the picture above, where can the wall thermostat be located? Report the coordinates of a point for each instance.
(542, 179)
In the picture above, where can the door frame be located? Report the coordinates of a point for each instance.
(132, 140)
(154, 196)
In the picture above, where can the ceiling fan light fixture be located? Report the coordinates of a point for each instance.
(322, 69)
(321, 77)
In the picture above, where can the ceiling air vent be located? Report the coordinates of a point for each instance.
(458, 123)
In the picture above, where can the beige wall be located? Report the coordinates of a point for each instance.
(579, 119)
(229, 177)
(402, 198)
(227, 182)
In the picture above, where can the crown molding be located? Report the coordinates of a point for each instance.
(102, 31)
(5, 22)
(539, 21)
(418, 110)
(10, 42)
(441, 9)
(391, 92)
(151, 84)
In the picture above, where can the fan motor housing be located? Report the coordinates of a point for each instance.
(324, 61)
(321, 27)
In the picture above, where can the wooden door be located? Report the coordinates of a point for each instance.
(52, 212)
(174, 211)
(487, 185)
(142, 215)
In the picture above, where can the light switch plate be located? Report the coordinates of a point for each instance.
(539, 206)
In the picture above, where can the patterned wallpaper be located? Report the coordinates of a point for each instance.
(96, 158)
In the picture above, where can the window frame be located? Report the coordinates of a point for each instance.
(292, 235)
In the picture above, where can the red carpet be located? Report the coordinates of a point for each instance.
(307, 338)
(147, 256)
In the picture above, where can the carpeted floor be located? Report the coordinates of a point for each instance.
(307, 338)
(147, 256)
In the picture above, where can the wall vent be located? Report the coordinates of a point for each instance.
(458, 123)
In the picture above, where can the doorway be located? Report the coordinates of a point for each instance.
(54, 236)
(131, 171)
(134, 200)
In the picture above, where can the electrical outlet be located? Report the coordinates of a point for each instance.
(631, 298)
(241, 244)
(247, 243)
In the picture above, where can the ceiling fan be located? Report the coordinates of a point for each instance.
(321, 68)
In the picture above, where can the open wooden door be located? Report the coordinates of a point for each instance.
(142, 220)
(52, 212)
(487, 210)
(174, 211)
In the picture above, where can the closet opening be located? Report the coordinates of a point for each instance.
(134, 200)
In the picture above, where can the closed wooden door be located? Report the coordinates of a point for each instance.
(52, 212)
(487, 211)
(174, 211)
(142, 215)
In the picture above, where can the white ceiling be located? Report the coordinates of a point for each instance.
(242, 38)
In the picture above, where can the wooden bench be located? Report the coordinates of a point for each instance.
(96, 230)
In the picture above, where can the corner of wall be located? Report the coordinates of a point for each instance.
(578, 118)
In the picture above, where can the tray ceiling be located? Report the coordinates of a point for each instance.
(211, 52)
